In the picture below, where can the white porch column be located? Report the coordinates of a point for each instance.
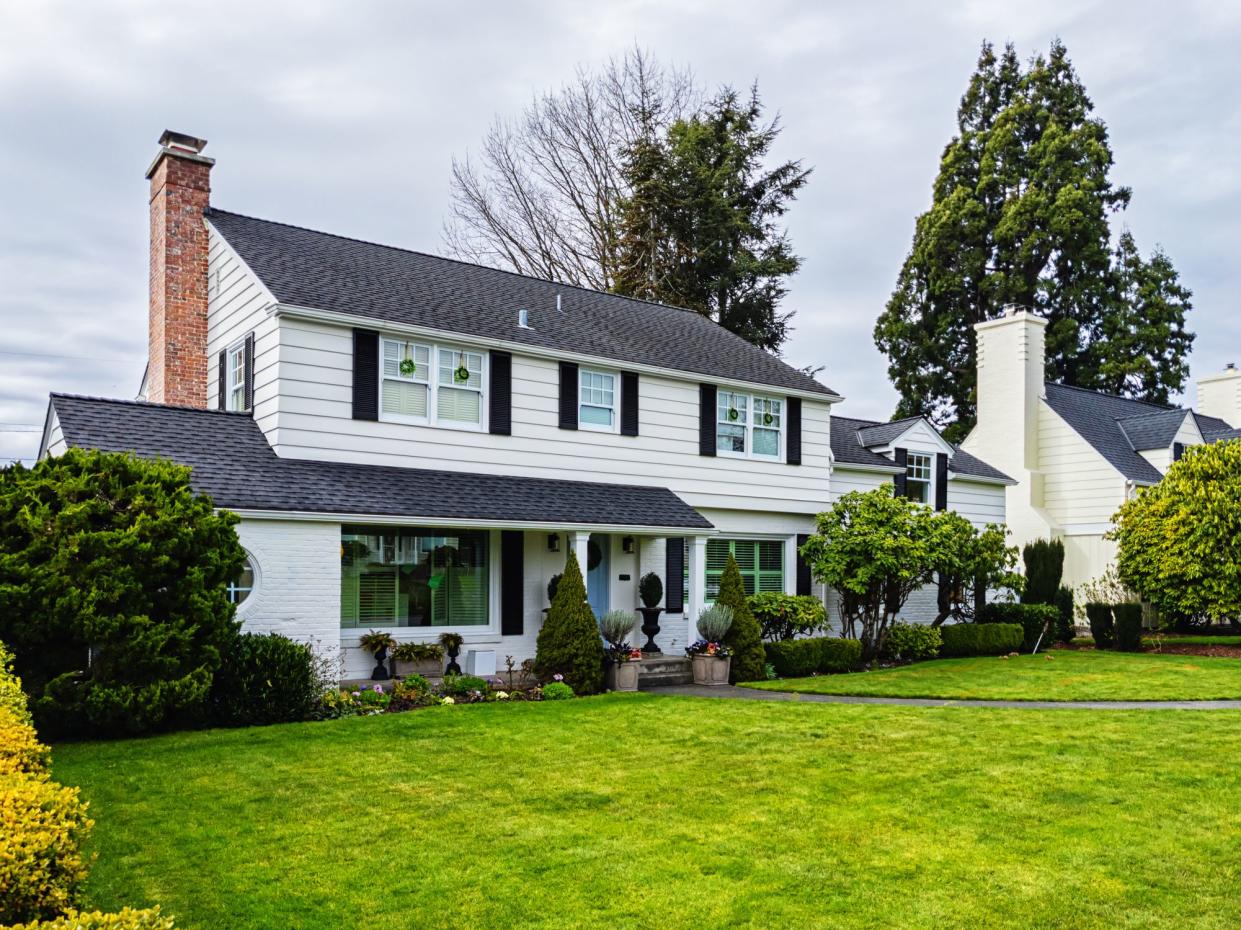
(696, 601)
(579, 544)
(790, 565)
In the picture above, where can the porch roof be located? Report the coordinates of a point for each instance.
(230, 460)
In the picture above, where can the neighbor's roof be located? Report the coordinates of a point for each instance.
(850, 439)
(311, 269)
(1119, 427)
(231, 461)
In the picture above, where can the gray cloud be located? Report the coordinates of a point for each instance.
(345, 116)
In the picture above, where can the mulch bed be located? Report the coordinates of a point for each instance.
(1181, 649)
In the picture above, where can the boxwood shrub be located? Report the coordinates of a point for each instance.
(1100, 618)
(1127, 627)
(126, 919)
(1032, 618)
(840, 655)
(797, 658)
(264, 678)
(981, 639)
(912, 641)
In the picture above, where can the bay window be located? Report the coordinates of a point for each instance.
(748, 424)
(414, 577)
(430, 384)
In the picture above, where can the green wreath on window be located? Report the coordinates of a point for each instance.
(462, 374)
(408, 366)
(732, 413)
(767, 418)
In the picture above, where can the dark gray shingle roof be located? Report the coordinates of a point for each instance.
(1153, 430)
(850, 438)
(1221, 435)
(232, 461)
(325, 272)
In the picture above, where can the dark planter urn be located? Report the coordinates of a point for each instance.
(380, 671)
(650, 628)
(453, 668)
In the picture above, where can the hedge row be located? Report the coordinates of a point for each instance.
(42, 828)
(981, 639)
(1116, 626)
(797, 658)
(1035, 620)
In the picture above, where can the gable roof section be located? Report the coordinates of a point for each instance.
(320, 271)
(231, 460)
(851, 438)
(1153, 430)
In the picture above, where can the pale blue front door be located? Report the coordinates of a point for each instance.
(597, 573)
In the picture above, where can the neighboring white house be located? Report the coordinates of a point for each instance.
(1077, 455)
(416, 443)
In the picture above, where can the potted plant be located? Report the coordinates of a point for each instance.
(651, 592)
(711, 658)
(552, 586)
(452, 643)
(377, 643)
(622, 669)
(419, 659)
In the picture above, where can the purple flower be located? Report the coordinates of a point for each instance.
(558, 677)
(379, 689)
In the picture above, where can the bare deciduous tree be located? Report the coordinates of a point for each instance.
(544, 195)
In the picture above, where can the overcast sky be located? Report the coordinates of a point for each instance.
(344, 117)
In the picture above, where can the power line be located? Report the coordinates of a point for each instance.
(80, 358)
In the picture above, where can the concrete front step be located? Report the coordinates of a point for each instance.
(664, 671)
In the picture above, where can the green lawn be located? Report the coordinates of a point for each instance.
(1214, 639)
(633, 811)
(1065, 676)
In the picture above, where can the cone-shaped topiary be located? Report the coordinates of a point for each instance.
(745, 636)
(569, 642)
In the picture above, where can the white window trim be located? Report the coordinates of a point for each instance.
(929, 481)
(245, 606)
(749, 425)
(433, 385)
(230, 384)
(615, 408)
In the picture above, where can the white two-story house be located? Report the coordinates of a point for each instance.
(415, 444)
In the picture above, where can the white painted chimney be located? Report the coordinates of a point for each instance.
(1220, 396)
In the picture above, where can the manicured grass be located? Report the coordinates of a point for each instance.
(634, 811)
(1174, 639)
(1065, 676)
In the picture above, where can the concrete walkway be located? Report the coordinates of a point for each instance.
(752, 694)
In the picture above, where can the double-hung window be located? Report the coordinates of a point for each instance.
(918, 477)
(425, 383)
(235, 369)
(597, 400)
(761, 562)
(748, 424)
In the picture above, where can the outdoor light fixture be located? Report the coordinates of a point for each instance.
(553, 542)
(627, 544)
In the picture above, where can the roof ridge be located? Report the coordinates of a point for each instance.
(145, 403)
(1130, 400)
(460, 261)
(1153, 413)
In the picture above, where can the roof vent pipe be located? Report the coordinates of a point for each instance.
(558, 310)
(523, 319)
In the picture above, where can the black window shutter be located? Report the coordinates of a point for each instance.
(674, 575)
(792, 445)
(568, 395)
(803, 567)
(512, 575)
(500, 403)
(1178, 451)
(629, 403)
(902, 459)
(941, 481)
(365, 374)
(249, 350)
(706, 419)
(222, 386)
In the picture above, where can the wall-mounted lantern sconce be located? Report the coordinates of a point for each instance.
(553, 542)
(627, 545)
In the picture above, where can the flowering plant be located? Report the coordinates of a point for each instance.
(623, 652)
(704, 648)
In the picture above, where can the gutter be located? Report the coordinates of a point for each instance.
(459, 523)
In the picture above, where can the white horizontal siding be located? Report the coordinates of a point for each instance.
(978, 502)
(315, 422)
(1079, 485)
(56, 444)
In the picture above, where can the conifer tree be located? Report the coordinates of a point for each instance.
(745, 636)
(569, 643)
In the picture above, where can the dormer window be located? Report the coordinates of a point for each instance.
(235, 393)
(748, 424)
(918, 477)
(430, 384)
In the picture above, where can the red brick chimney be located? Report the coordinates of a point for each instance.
(180, 180)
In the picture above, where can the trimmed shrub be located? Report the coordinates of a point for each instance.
(1032, 618)
(1128, 627)
(1100, 618)
(787, 616)
(1044, 568)
(912, 641)
(458, 685)
(981, 639)
(795, 658)
(744, 637)
(126, 919)
(839, 655)
(569, 643)
(20, 749)
(42, 827)
(557, 691)
(1065, 626)
(650, 590)
(264, 678)
(11, 694)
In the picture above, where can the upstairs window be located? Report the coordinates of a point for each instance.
(748, 424)
(597, 400)
(235, 394)
(436, 385)
(918, 477)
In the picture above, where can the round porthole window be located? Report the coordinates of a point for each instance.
(242, 586)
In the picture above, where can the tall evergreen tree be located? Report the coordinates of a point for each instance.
(700, 227)
(1019, 215)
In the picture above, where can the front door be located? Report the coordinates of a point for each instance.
(597, 572)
